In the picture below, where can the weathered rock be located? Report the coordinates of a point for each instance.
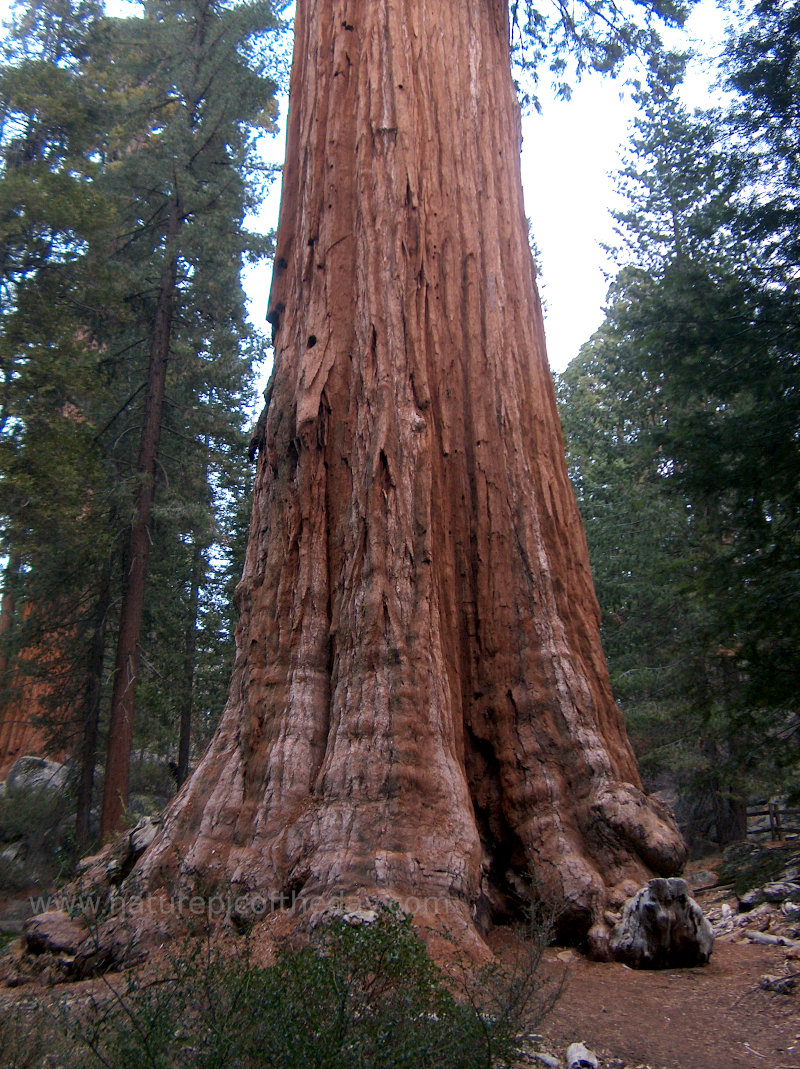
(37, 774)
(700, 881)
(54, 932)
(580, 1057)
(662, 927)
(783, 891)
(140, 837)
(775, 892)
(547, 1060)
(750, 899)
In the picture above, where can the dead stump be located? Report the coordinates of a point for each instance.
(662, 927)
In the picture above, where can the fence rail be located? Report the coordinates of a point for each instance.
(772, 820)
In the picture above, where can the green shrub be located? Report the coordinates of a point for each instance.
(40, 823)
(357, 995)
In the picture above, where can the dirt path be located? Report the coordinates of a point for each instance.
(716, 1017)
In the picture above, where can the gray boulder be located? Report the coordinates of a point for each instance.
(547, 1060)
(54, 932)
(750, 899)
(37, 774)
(782, 891)
(140, 837)
(662, 927)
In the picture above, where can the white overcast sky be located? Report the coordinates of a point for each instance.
(569, 153)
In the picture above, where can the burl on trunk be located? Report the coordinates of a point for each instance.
(420, 704)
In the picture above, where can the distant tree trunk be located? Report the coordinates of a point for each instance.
(37, 673)
(7, 616)
(189, 657)
(9, 714)
(420, 705)
(730, 813)
(87, 755)
(123, 699)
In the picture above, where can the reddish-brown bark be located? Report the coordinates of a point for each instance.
(126, 668)
(21, 730)
(89, 735)
(420, 704)
(35, 716)
(189, 659)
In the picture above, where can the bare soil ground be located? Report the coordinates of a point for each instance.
(715, 1017)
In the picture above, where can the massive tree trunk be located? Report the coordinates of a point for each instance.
(420, 705)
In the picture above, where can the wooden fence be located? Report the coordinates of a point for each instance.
(772, 820)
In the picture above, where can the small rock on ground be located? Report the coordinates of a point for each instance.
(580, 1057)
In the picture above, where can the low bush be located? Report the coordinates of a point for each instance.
(37, 842)
(357, 995)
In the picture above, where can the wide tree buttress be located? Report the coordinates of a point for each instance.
(420, 703)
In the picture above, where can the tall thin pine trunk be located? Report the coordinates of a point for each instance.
(9, 718)
(87, 754)
(189, 658)
(126, 670)
(8, 607)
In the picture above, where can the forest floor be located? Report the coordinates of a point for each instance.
(718, 1016)
(715, 1017)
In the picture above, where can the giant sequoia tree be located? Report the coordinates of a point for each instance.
(420, 703)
